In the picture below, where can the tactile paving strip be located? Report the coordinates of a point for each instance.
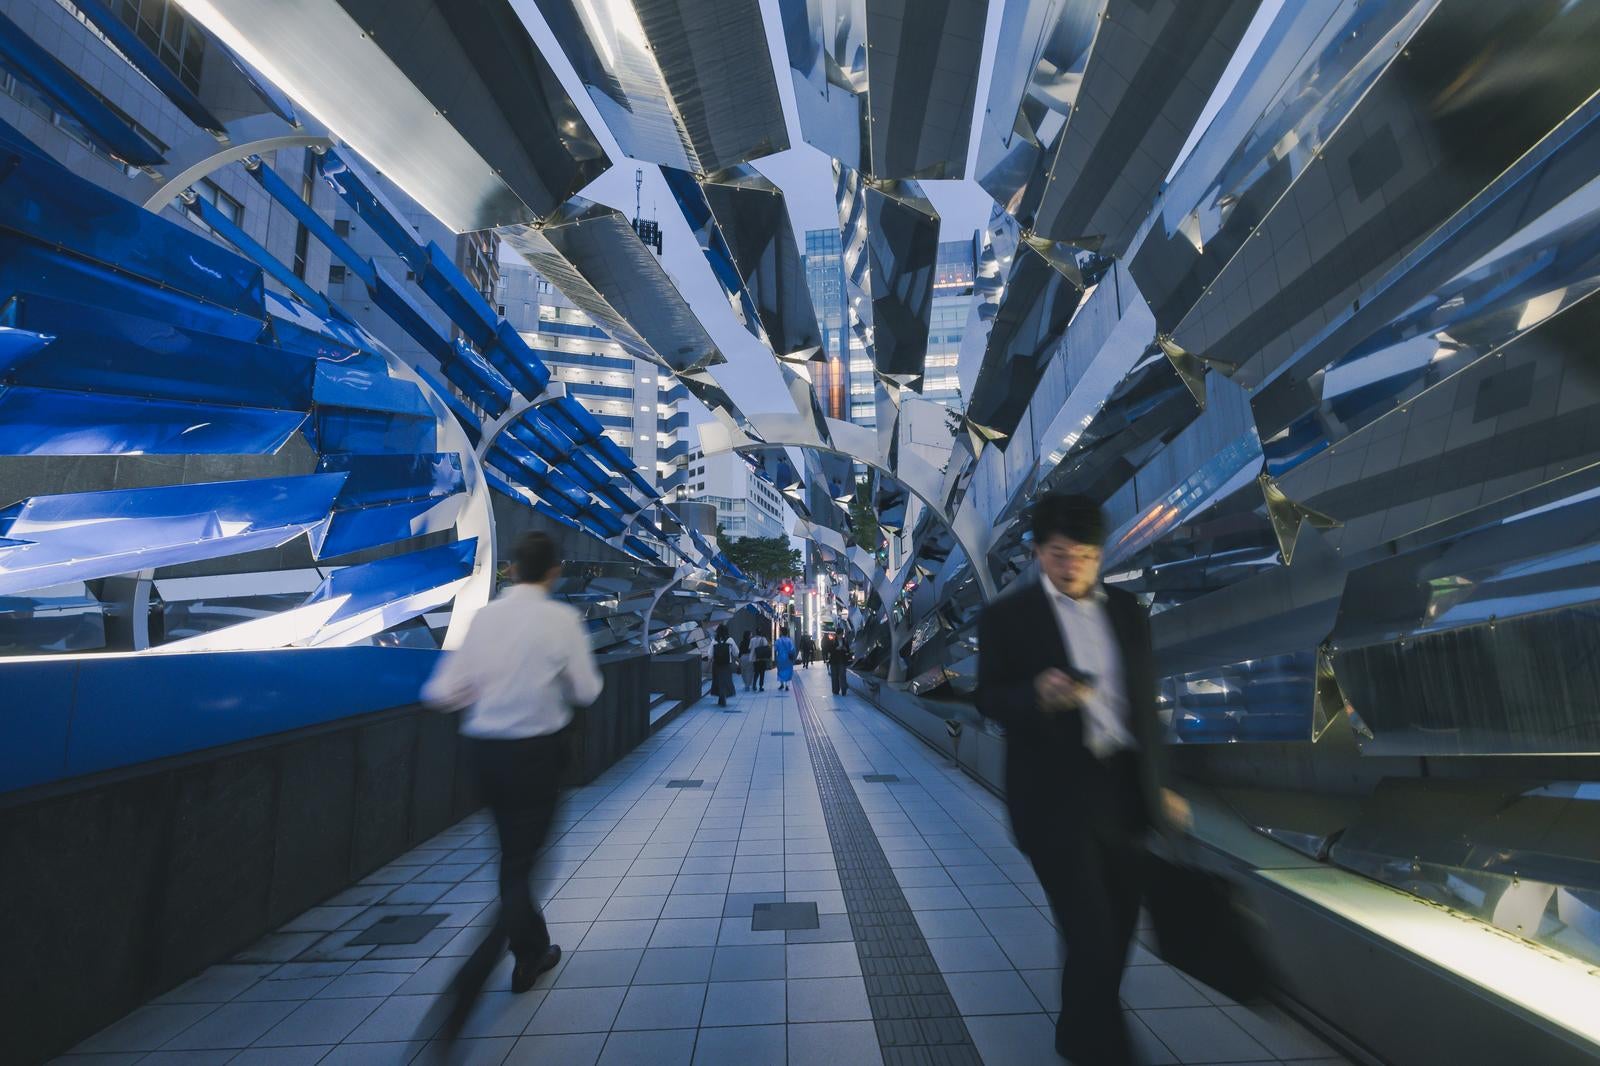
(912, 1010)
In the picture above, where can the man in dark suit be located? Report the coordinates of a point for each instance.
(1065, 665)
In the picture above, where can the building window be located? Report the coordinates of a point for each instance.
(302, 236)
(341, 227)
(336, 274)
(231, 209)
(168, 33)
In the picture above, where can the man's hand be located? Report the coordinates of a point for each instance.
(1058, 692)
(1176, 808)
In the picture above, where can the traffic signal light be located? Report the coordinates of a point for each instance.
(787, 588)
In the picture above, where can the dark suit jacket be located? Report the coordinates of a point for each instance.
(1048, 767)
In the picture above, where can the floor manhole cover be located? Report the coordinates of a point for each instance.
(398, 929)
(766, 917)
(690, 782)
(783, 732)
(881, 779)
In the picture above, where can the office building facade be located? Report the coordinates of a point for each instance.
(747, 504)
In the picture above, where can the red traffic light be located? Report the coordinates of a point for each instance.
(787, 588)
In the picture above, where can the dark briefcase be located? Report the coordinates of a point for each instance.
(1203, 929)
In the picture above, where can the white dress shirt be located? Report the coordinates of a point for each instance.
(1092, 648)
(525, 660)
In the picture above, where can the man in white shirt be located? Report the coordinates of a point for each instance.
(525, 661)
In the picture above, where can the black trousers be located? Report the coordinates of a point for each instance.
(761, 676)
(1093, 877)
(836, 674)
(520, 781)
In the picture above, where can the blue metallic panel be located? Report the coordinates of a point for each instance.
(363, 383)
(98, 349)
(375, 584)
(35, 719)
(447, 287)
(224, 226)
(387, 221)
(381, 479)
(131, 711)
(41, 201)
(86, 535)
(347, 430)
(22, 56)
(54, 422)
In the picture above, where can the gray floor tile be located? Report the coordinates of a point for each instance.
(401, 1019)
(627, 934)
(146, 1028)
(837, 959)
(566, 1049)
(685, 933)
(661, 966)
(1149, 987)
(738, 931)
(991, 992)
(360, 985)
(967, 953)
(502, 1013)
(931, 899)
(1148, 1050)
(1203, 1034)
(280, 1056)
(326, 1021)
(836, 1043)
(577, 1010)
(1030, 952)
(625, 908)
(1015, 1039)
(1045, 985)
(694, 906)
(235, 1025)
(828, 999)
(923, 877)
(218, 984)
(661, 1007)
(476, 1051)
(954, 923)
(744, 1003)
(749, 962)
(1017, 921)
(662, 1047)
(747, 1045)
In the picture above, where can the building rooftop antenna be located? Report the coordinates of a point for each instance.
(648, 229)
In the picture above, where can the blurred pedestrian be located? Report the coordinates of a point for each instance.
(839, 662)
(523, 664)
(724, 658)
(761, 660)
(747, 665)
(784, 655)
(1065, 665)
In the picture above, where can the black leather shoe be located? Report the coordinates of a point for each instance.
(524, 974)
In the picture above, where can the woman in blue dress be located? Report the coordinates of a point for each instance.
(784, 653)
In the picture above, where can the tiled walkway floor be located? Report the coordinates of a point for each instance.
(650, 891)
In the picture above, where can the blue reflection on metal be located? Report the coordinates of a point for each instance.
(374, 585)
(26, 59)
(56, 422)
(389, 498)
(86, 535)
(42, 201)
(225, 227)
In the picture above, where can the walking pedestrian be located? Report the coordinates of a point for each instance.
(746, 664)
(724, 657)
(838, 662)
(1065, 665)
(784, 653)
(524, 662)
(761, 658)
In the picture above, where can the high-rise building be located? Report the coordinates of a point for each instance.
(205, 70)
(844, 384)
(953, 277)
(747, 504)
(642, 409)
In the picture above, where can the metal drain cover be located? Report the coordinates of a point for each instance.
(686, 782)
(783, 733)
(766, 917)
(881, 779)
(398, 929)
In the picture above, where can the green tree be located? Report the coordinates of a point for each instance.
(863, 519)
(767, 559)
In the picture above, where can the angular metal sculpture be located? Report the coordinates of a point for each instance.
(682, 83)
(886, 86)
